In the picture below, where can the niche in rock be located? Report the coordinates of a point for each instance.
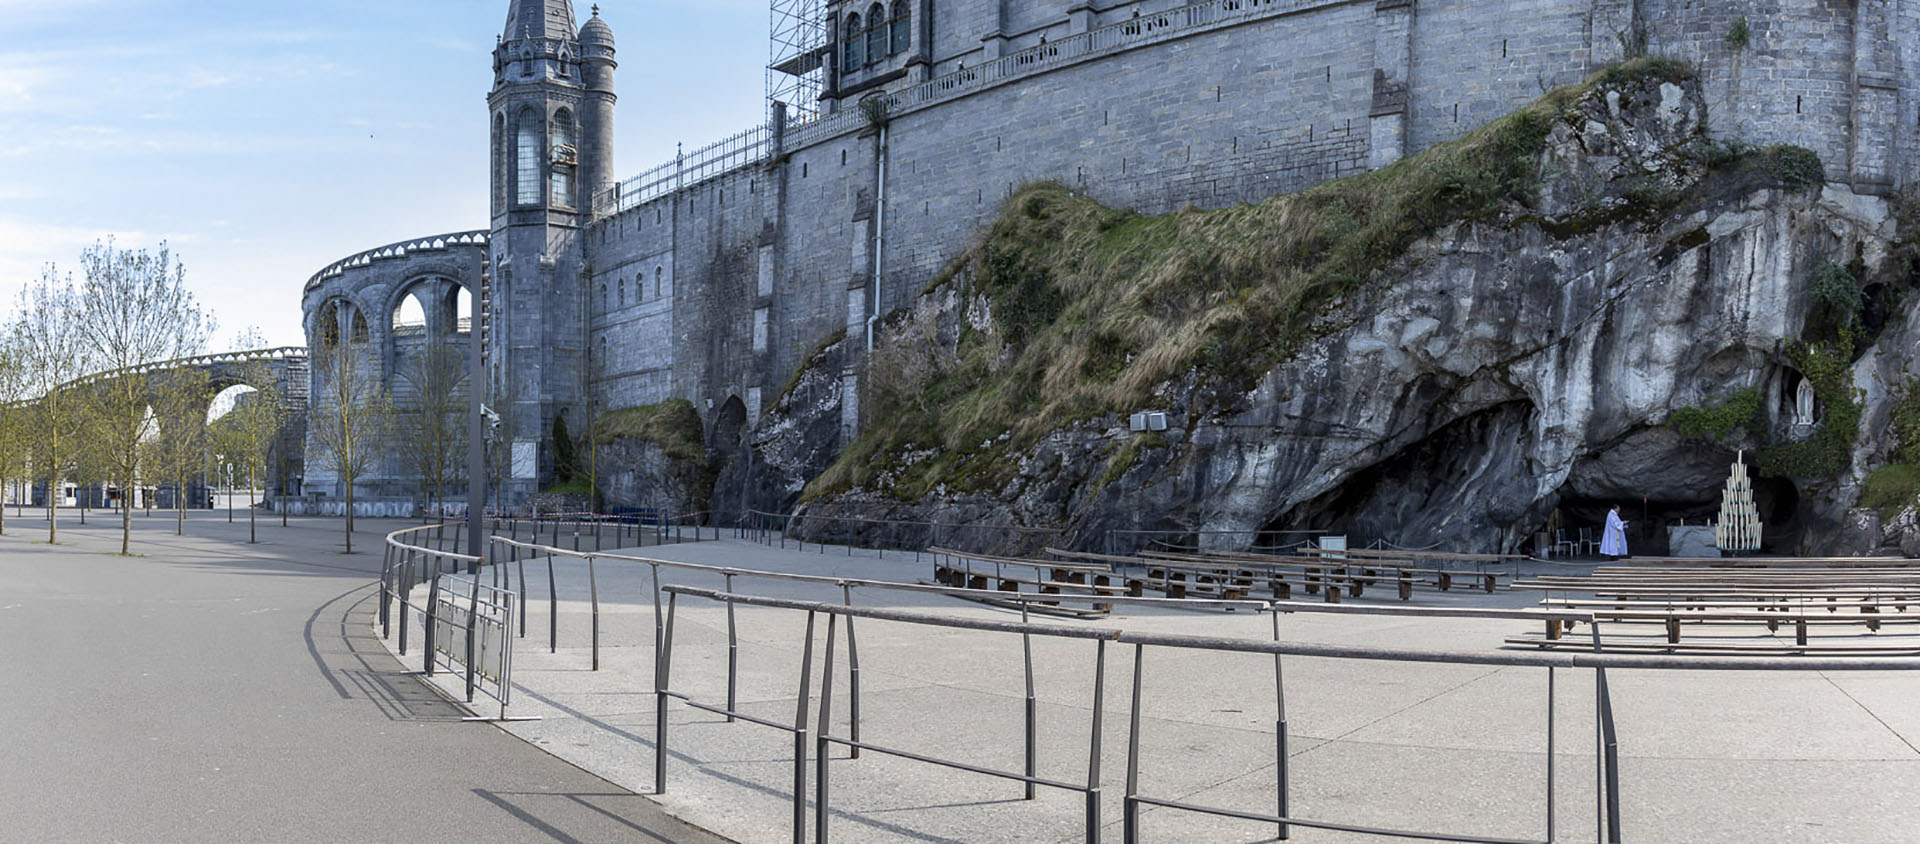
(1466, 487)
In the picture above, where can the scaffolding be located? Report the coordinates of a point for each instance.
(795, 73)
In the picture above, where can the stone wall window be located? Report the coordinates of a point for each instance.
(656, 282)
(527, 169)
(876, 34)
(851, 43)
(564, 158)
(500, 163)
(902, 23)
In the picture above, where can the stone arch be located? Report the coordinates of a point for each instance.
(729, 426)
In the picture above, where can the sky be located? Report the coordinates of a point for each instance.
(265, 140)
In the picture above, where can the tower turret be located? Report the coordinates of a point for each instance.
(551, 130)
(596, 111)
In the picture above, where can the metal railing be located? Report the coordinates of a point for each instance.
(716, 159)
(1608, 827)
(773, 529)
(467, 625)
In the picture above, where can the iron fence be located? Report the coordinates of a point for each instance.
(467, 624)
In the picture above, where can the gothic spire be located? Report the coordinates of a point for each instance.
(539, 19)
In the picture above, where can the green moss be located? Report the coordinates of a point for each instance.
(1128, 456)
(1834, 303)
(1890, 488)
(1906, 423)
(1722, 422)
(577, 486)
(1830, 450)
(1795, 167)
(673, 425)
(1092, 308)
(1739, 34)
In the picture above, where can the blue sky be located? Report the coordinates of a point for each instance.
(265, 140)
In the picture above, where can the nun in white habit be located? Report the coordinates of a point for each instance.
(1613, 541)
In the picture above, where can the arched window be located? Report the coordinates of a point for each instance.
(876, 34)
(640, 286)
(656, 282)
(604, 302)
(527, 169)
(501, 162)
(623, 294)
(563, 158)
(902, 23)
(851, 40)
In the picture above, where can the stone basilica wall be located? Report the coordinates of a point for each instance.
(759, 265)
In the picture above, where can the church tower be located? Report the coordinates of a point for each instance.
(552, 128)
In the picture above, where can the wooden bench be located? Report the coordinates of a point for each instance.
(1442, 579)
(1781, 648)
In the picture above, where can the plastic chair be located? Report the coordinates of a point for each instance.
(1560, 541)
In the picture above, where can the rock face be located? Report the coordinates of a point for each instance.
(1501, 370)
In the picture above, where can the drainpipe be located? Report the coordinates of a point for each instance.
(879, 232)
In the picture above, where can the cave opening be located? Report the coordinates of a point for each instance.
(1648, 519)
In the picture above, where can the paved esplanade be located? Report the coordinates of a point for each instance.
(216, 691)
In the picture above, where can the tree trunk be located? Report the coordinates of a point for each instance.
(126, 521)
(53, 512)
(253, 531)
(349, 517)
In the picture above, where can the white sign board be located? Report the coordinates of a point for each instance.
(526, 465)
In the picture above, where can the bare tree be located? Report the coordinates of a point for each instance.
(430, 424)
(136, 311)
(180, 397)
(257, 419)
(350, 413)
(53, 354)
(14, 413)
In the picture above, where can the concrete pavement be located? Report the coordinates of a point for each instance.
(1706, 756)
(210, 690)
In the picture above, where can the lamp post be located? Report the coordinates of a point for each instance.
(477, 338)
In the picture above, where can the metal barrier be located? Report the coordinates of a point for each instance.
(1605, 743)
(467, 624)
(846, 585)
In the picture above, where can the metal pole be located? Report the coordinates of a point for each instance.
(820, 750)
(853, 673)
(733, 654)
(406, 575)
(1551, 836)
(1611, 743)
(522, 564)
(553, 610)
(657, 634)
(1093, 756)
(1130, 810)
(593, 591)
(1033, 707)
(800, 739)
(662, 675)
(433, 603)
(473, 615)
(1282, 782)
